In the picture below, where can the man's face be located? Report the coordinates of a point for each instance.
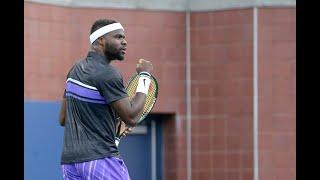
(115, 45)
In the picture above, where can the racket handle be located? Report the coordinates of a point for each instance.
(117, 141)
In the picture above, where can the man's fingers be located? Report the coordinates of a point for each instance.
(127, 131)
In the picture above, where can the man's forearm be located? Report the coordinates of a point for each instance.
(130, 110)
(137, 104)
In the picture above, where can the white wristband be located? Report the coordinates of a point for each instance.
(144, 73)
(143, 84)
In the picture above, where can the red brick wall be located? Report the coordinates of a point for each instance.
(55, 37)
(222, 80)
(277, 93)
(222, 72)
(47, 50)
(175, 148)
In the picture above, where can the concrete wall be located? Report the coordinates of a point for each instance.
(211, 5)
(170, 5)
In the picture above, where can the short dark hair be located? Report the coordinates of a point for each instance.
(100, 23)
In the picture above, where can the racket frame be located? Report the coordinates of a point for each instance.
(154, 99)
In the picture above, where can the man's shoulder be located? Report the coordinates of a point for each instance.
(74, 66)
(107, 73)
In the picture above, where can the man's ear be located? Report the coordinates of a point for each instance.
(101, 41)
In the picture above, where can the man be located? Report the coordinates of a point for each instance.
(94, 98)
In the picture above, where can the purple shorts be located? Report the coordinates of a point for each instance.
(110, 168)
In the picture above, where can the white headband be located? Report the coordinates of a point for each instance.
(104, 30)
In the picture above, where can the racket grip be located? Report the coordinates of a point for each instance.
(117, 141)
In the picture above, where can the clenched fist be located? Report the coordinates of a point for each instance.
(144, 65)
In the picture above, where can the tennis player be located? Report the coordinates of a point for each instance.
(94, 97)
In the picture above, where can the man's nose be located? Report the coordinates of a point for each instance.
(124, 42)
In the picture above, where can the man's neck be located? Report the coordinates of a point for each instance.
(99, 51)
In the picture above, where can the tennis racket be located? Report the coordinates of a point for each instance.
(150, 100)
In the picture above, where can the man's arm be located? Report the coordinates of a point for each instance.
(62, 115)
(130, 111)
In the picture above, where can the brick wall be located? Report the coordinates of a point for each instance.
(222, 94)
(221, 79)
(47, 50)
(277, 93)
(55, 37)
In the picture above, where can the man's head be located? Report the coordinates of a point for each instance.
(113, 43)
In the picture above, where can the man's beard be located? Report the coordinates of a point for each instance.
(120, 56)
(114, 56)
(112, 53)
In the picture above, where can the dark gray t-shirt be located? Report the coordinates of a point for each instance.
(90, 124)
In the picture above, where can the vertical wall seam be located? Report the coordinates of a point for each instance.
(188, 97)
(153, 150)
(255, 96)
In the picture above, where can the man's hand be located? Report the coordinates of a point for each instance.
(123, 130)
(144, 65)
(131, 108)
